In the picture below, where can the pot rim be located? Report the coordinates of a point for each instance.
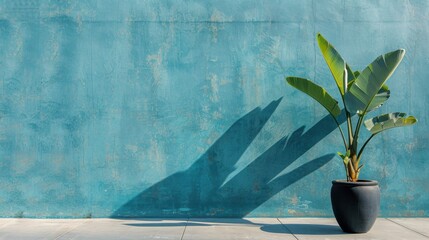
(362, 182)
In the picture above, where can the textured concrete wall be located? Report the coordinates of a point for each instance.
(179, 108)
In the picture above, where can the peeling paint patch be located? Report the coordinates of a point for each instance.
(157, 157)
(155, 62)
(297, 203)
(23, 163)
(132, 148)
(217, 19)
(214, 88)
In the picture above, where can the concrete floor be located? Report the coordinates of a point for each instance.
(204, 229)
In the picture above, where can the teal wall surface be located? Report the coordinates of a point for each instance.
(179, 108)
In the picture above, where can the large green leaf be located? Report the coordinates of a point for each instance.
(370, 80)
(316, 92)
(379, 99)
(335, 62)
(388, 121)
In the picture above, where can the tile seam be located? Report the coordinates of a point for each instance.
(184, 230)
(5, 223)
(71, 229)
(284, 226)
(407, 227)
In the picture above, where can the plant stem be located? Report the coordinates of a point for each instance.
(364, 145)
(341, 131)
(358, 125)
(349, 127)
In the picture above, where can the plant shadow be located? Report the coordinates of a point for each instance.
(200, 190)
(172, 224)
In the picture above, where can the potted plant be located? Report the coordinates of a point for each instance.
(356, 202)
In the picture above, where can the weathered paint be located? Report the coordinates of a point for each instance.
(179, 108)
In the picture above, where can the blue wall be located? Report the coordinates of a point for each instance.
(179, 108)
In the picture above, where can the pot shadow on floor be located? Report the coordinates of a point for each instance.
(200, 190)
(304, 229)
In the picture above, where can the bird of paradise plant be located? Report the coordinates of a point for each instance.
(361, 92)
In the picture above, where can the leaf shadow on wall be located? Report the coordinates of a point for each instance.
(200, 190)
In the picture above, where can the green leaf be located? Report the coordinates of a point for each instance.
(316, 92)
(346, 160)
(379, 99)
(359, 168)
(335, 62)
(371, 79)
(350, 74)
(357, 73)
(387, 121)
(342, 156)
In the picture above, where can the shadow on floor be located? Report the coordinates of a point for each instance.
(173, 222)
(304, 229)
(200, 190)
(299, 229)
(168, 224)
(196, 222)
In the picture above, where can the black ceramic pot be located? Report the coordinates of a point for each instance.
(355, 204)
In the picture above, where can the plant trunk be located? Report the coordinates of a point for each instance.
(353, 168)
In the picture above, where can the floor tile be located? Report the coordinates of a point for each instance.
(249, 228)
(116, 229)
(420, 225)
(36, 229)
(4, 221)
(327, 228)
(206, 229)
